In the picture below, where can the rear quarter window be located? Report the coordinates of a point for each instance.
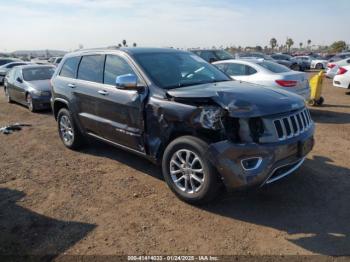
(274, 67)
(70, 67)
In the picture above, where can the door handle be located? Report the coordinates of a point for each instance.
(102, 92)
(72, 85)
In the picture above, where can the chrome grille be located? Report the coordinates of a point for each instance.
(292, 125)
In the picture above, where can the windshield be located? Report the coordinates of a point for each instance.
(40, 73)
(274, 67)
(223, 55)
(173, 70)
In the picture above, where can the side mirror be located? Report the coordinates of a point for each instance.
(127, 82)
(20, 80)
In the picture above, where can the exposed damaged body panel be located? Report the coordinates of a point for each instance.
(166, 119)
(242, 100)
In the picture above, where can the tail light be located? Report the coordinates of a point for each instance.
(331, 66)
(341, 71)
(286, 83)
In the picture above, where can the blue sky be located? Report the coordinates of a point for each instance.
(64, 24)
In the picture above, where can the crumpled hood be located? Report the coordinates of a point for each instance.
(40, 85)
(242, 99)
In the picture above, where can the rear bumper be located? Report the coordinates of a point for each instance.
(277, 160)
(341, 81)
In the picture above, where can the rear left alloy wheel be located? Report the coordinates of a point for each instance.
(188, 172)
(69, 133)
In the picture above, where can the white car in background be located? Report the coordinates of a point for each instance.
(342, 79)
(266, 73)
(315, 62)
(332, 67)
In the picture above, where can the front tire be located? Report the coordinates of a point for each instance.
(30, 103)
(68, 131)
(8, 97)
(188, 172)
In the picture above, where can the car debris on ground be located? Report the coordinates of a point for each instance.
(9, 129)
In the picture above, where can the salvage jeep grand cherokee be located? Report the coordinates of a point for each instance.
(177, 110)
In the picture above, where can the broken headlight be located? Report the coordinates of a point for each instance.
(256, 127)
(211, 118)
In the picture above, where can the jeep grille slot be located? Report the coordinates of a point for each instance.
(292, 125)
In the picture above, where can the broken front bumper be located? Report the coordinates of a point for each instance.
(274, 160)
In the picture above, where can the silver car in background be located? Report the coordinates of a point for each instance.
(267, 73)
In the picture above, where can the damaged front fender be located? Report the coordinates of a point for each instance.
(166, 119)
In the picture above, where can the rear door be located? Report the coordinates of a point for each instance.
(119, 111)
(85, 91)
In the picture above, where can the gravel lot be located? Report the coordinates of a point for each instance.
(103, 200)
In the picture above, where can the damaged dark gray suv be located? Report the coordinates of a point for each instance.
(177, 110)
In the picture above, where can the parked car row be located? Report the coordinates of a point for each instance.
(172, 107)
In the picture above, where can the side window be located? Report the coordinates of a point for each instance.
(69, 69)
(91, 68)
(236, 70)
(250, 70)
(115, 66)
(221, 66)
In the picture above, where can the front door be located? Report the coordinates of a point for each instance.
(120, 112)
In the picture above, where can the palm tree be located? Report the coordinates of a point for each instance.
(273, 43)
(124, 42)
(308, 43)
(289, 43)
(300, 45)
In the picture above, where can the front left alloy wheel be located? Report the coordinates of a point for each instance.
(188, 172)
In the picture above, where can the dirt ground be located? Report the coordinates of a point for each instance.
(104, 201)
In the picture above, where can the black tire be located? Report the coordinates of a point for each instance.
(30, 103)
(77, 139)
(8, 97)
(319, 66)
(208, 189)
(320, 101)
